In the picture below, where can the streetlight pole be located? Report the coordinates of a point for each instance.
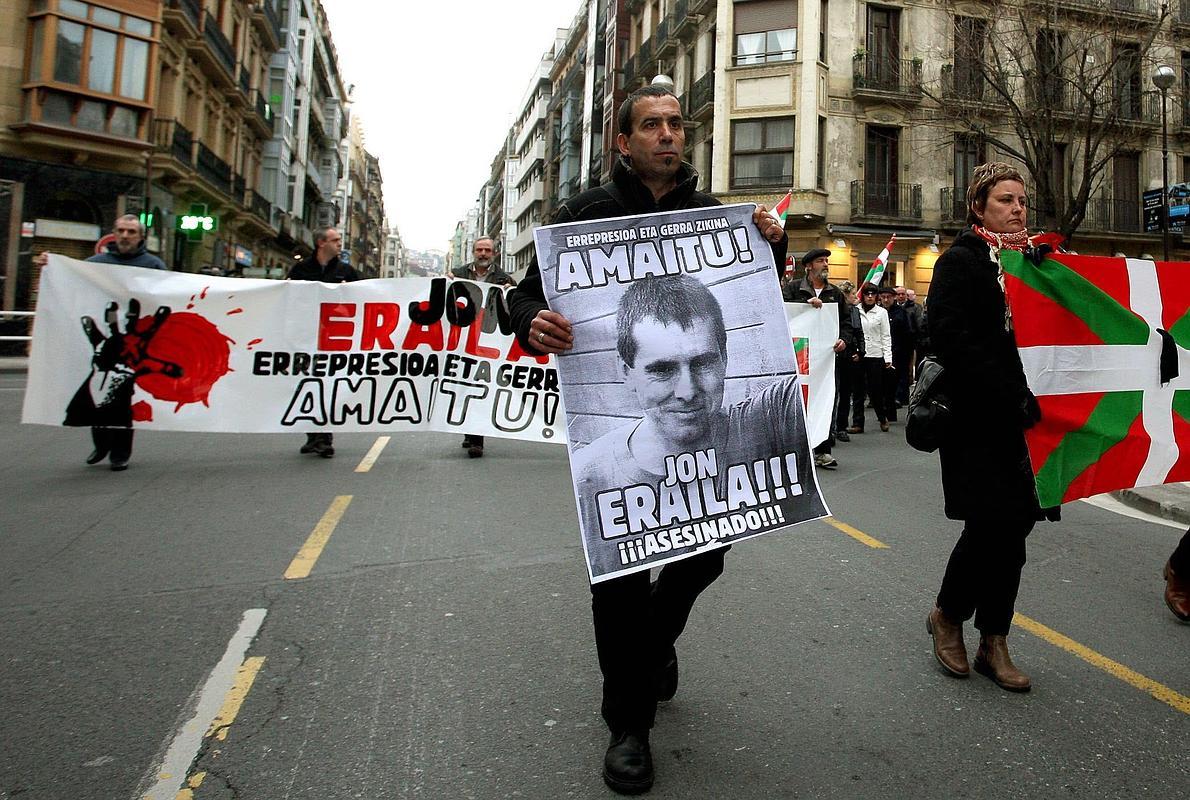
(1163, 79)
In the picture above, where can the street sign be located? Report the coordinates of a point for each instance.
(101, 245)
(1151, 203)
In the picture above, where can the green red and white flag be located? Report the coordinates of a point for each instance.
(876, 273)
(1087, 331)
(781, 210)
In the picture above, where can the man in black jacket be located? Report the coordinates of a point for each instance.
(113, 436)
(815, 289)
(483, 269)
(638, 661)
(324, 266)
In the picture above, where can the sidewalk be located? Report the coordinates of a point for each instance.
(1171, 501)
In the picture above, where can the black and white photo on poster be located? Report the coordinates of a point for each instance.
(684, 412)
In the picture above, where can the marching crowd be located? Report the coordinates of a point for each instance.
(883, 331)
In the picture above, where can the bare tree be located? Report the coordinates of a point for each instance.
(1057, 85)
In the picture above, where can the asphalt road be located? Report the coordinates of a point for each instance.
(441, 645)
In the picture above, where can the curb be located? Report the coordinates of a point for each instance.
(1167, 509)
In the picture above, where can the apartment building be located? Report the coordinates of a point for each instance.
(525, 200)
(394, 264)
(874, 114)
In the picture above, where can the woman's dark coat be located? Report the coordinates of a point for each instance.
(985, 464)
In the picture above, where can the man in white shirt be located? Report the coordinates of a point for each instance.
(877, 358)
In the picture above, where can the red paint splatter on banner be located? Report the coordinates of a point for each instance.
(235, 311)
(142, 412)
(254, 342)
(195, 345)
(203, 294)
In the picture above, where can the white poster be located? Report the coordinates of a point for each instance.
(814, 332)
(115, 345)
(685, 420)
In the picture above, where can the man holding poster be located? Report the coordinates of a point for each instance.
(637, 622)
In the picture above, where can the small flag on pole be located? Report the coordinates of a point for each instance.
(876, 273)
(781, 210)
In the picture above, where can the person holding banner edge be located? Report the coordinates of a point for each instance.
(326, 267)
(114, 442)
(638, 662)
(987, 481)
(482, 269)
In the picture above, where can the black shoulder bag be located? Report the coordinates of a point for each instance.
(929, 408)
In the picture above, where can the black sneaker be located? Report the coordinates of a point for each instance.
(842, 436)
(628, 763)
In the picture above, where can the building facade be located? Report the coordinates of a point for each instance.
(874, 114)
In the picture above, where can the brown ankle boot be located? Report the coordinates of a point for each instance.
(1177, 593)
(992, 659)
(948, 643)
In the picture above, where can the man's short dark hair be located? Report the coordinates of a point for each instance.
(140, 225)
(668, 299)
(624, 119)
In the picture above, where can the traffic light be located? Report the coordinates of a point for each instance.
(146, 219)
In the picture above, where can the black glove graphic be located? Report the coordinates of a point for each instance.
(120, 357)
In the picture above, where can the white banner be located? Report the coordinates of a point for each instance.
(685, 418)
(115, 345)
(814, 332)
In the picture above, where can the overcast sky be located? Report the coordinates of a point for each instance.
(437, 86)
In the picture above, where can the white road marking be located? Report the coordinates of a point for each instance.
(165, 780)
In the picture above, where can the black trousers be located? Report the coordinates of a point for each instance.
(471, 438)
(1180, 560)
(844, 382)
(868, 380)
(984, 573)
(117, 442)
(320, 439)
(636, 626)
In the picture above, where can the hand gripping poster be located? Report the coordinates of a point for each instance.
(115, 346)
(684, 410)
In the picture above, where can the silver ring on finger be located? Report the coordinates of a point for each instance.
(541, 336)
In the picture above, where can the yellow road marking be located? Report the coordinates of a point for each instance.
(373, 454)
(854, 533)
(245, 676)
(193, 783)
(1161, 692)
(304, 561)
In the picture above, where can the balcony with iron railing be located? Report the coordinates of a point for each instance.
(702, 98)
(225, 54)
(1135, 107)
(952, 204)
(1134, 8)
(182, 18)
(245, 81)
(172, 137)
(886, 201)
(702, 6)
(682, 22)
(645, 53)
(878, 78)
(213, 169)
(239, 188)
(261, 207)
(1181, 13)
(629, 70)
(267, 23)
(1113, 215)
(964, 85)
(260, 114)
(666, 44)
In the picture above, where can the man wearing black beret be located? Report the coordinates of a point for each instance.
(815, 289)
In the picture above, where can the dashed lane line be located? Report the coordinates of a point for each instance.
(1114, 668)
(855, 533)
(370, 459)
(1159, 691)
(305, 559)
(165, 780)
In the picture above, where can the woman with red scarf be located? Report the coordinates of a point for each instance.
(987, 481)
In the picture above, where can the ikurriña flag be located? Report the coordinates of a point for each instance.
(1104, 344)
